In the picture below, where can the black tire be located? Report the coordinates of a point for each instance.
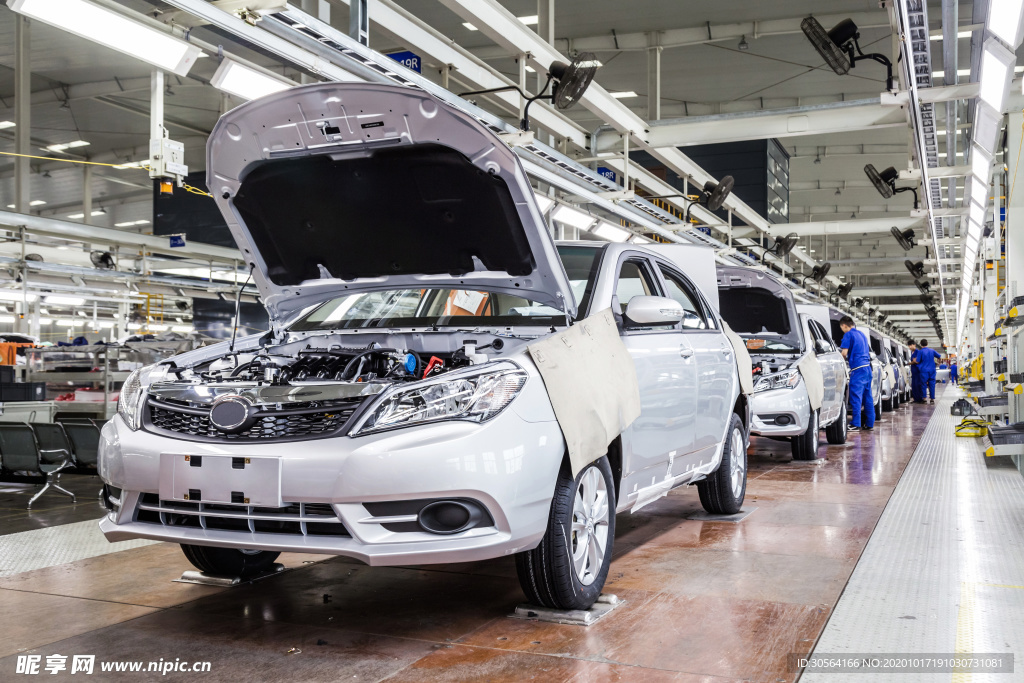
(878, 409)
(723, 491)
(835, 433)
(229, 561)
(805, 446)
(887, 405)
(547, 573)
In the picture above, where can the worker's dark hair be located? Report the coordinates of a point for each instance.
(847, 320)
(912, 343)
(924, 342)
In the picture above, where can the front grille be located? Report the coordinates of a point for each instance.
(295, 423)
(297, 519)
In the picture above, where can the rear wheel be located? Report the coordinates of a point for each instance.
(805, 446)
(229, 561)
(835, 433)
(878, 409)
(569, 567)
(723, 491)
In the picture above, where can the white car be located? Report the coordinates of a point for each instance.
(397, 411)
(800, 377)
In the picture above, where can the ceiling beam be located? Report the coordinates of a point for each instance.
(818, 119)
(849, 227)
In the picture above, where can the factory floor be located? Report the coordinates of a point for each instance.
(704, 600)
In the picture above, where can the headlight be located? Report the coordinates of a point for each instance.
(476, 398)
(128, 401)
(787, 379)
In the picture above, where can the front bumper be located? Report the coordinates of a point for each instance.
(792, 405)
(508, 465)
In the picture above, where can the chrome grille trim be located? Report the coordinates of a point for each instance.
(295, 518)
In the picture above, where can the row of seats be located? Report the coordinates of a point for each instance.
(49, 449)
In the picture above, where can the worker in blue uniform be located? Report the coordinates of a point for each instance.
(857, 353)
(954, 371)
(926, 358)
(915, 375)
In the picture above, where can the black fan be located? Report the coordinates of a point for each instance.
(839, 47)
(844, 290)
(857, 302)
(905, 238)
(717, 192)
(927, 299)
(923, 286)
(885, 182)
(33, 257)
(916, 269)
(871, 312)
(784, 245)
(818, 273)
(572, 80)
(102, 259)
(181, 305)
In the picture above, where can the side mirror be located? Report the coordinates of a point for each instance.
(821, 347)
(648, 311)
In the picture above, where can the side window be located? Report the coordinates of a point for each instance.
(634, 280)
(820, 333)
(694, 317)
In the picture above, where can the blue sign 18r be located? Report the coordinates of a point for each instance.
(409, 60)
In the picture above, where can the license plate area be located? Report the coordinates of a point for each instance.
(223, 479)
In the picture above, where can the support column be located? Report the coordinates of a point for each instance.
(87, 194)
(22, 111)
(653, 79)
(546, 31)
(320, 9)
(359, 21)
(1014, 260)
(156, 106)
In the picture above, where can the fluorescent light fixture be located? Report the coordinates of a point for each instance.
(97, 212)
(36, 202)
(46, 321)
(6, 318)
(58, 300)
(67, 322)
(246, 82)
(640, 239)
(1004, 20)
(114, 30)
(11, 295)
(623, 94)
(64, 146)
(987, 122)
(128, 224)
(106, 324)
(159, 328)
(530, 20)
(574, 217)
(981, 164)
(184, 329)
(132, 164)
(612, 233)
(543, 202)
(4, 125)
(469, 26)
(979, 191)
(530, 69)
(996, 68)
(959, 72)
(959, 34)
(134, 326)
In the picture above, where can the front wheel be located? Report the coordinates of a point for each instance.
(835, 433)
(805, 446)
(569, 567)
(229, 561)
(723, 491)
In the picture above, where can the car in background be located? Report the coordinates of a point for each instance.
(890, 391)
(397, 412)
(835, 315)
(902, 370)
(783, 344)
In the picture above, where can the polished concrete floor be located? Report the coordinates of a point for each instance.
(705, 600)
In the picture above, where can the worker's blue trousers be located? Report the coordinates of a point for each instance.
(860, 398)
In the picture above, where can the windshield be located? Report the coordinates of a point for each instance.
(427, 307)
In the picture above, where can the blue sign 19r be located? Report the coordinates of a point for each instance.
(607, 173)
(409, 60)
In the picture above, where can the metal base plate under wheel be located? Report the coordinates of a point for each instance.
(704, 516)
(205, 579)
(578, 617)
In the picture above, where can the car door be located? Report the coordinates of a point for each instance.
(714, 366)
(666, 369)
(832, 369)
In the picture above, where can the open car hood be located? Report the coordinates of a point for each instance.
(336, 188)
(756, 304)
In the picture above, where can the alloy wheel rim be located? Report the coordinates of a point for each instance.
(814, 430)
(590, 518)
(739, 462)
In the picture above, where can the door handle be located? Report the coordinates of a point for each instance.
(726, 350)
(685, 351)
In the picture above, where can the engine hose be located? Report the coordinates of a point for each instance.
(352, 362)
(241, 368)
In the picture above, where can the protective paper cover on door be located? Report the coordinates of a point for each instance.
(592, 384)
(810, 369)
